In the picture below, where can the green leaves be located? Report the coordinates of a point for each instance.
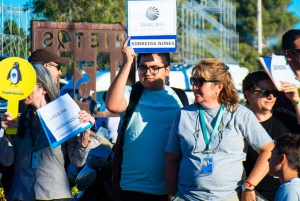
(276, 20)
(103, 11)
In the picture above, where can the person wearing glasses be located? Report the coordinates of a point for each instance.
(261, 94)
(291, 50)
(146, 135)
(209, 139)
(50, 60)
(39, 172)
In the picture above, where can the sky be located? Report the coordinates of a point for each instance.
(294, 7)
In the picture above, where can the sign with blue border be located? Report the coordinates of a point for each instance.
(151, 25)
(60, 122)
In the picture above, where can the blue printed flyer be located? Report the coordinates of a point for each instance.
(279, 70)
(59, 119)
(152, 25)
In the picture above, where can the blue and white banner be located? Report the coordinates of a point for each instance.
(151, 25)
(60, 120)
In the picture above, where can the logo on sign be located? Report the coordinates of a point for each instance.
(14, 74)
(152, 13)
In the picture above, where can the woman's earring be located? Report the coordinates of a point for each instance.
(215, 95)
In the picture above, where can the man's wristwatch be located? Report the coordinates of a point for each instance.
(244, 188)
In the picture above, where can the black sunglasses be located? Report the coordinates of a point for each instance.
(200, 81)
(266, 92)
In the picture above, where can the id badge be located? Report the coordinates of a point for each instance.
(207, 166)
(34, 160)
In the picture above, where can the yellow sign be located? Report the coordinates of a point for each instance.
(17, 81)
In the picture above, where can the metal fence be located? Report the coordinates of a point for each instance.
(14, 40)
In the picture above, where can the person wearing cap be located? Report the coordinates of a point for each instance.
(50, 60)
(39, 172)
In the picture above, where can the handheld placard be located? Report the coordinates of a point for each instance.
(17, 81)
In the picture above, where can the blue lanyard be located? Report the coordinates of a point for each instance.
(203, 126)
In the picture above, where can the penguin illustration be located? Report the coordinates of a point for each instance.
(14, 74)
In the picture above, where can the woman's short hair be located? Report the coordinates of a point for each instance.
(46, 80)
(217, 70)
(250, 82)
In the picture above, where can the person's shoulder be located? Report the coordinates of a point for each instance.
(290, 189)
(169, 89)
(278, 112)
(292, 184)
(190, 107)
(241, 109)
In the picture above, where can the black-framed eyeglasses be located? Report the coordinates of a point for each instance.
(295, 50)
(200, 81)
(266, 92)
(54, 65)
(152, 70)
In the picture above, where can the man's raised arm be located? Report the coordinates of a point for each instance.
(115, 101)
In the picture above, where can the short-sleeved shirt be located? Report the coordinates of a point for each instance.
(229, 146)
(282, 122)
(289, 191)
(144, 158)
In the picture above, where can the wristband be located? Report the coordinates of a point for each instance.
(247, 189)
(296, 102)
(250, 185)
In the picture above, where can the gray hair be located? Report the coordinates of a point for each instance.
(46, 80)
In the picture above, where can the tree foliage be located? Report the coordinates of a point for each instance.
(11, 28)
(103, 11)
(97, 11)
(276, 20)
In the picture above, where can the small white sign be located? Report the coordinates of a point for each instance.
(279, 70)
(60, 120)
(148, 18)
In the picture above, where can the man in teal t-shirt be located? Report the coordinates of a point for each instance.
(147, 132)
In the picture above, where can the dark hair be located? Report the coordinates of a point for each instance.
(216, 70)
(290, 146)
(165, 58)
(251, 80)
(289, 37)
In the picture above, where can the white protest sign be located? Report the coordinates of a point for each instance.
(279, 70)
(148, 18)
(152, 25)
(60, 120)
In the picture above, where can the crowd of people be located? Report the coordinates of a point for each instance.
(213, 149)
